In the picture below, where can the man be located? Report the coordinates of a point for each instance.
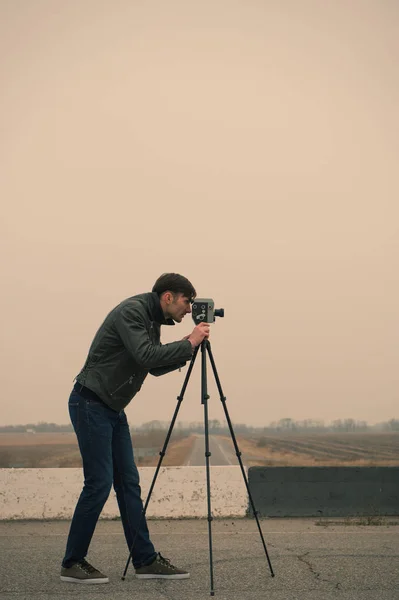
(124, 350)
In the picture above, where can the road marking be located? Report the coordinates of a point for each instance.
(227, 459)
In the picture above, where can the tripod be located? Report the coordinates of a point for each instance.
(205, 348)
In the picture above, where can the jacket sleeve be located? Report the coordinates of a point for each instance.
(157, 371)
(131, 327)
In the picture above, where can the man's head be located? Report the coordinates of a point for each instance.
(176, 293)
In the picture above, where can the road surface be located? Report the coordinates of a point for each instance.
(222, 450)
(311, 562)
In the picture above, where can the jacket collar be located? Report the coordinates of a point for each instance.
(156, 312)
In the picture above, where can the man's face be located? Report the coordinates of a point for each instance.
(177, 306)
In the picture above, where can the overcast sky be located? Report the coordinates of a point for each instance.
(250, 145)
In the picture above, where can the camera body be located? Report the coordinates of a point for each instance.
(204, 311)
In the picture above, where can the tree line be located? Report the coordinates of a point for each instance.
(284, 426)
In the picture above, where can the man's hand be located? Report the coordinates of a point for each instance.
(198, 334)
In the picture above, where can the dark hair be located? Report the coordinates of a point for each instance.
(177, 284)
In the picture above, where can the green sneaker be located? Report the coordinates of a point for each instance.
(82, 572)
(161, 568)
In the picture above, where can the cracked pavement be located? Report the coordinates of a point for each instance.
(310, 561)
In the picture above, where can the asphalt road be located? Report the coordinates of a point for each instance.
(310, 562)
(222, 452)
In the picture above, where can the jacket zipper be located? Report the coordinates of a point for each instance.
(122, 384)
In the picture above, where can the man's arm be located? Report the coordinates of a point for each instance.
(164, 370)
(157, 371)
(130, 325)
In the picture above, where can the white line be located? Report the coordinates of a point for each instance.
(227, 459)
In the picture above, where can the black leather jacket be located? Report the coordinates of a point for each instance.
(127, 347)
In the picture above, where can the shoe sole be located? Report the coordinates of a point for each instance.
(154, 576)
(86, 581)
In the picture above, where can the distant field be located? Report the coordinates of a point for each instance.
(328, 449)
(36, 439)
(324, 449)
(31, 450)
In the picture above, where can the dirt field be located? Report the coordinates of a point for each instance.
(27, 450)
(36, 439)
(175, 453)
(328, 449)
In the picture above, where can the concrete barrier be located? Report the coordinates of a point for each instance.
(179, 492)
(324, 491)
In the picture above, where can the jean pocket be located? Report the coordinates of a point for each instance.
(74, 399)
(100, 419)
(74, 410)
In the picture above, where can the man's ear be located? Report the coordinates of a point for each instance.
(168, 297)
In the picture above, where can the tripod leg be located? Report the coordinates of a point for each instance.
(204, 401)
(162, 454)
(238, 453)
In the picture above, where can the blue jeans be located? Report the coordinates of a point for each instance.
(106, 448)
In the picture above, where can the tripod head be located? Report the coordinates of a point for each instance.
(204, 311)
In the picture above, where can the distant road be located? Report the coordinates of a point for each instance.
(222, 452)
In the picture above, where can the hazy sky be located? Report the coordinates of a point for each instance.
(252, 146)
